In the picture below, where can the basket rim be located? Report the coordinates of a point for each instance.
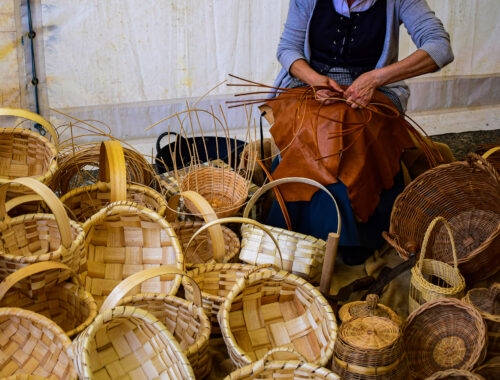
(484, 314)
(255, 368)
(345, 312)
(418, 278)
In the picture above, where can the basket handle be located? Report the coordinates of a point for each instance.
(282, 181)
(49, 198)
(135, 279)
(19, 112)
(207, 213)
(427, 237)
(14, 202)
(158, 140)
(494, 291)
(236, 219)
(371, 303)
(112, 169)
(32, 269)
(490, 152)
(474, 159)
(267, 357)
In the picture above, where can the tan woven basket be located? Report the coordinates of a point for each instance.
(129, 343)
(185, 320)
(302, 254)
(455, 374)
(487, 302)
(446, 280)
(370, 307)
(33, 238)
(65, 303)
(32, 344)
(112, 187)
(467, 195)
(444, 334)
(125, 238)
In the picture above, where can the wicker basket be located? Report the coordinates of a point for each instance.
(125, 238)
(370, 307)
(185, 320)
(65, 303)
(455, 374)
(112, 187)
(33, 238)
(493, 156)
(129, 343)
(467, 194)
(446, 280)
(487, 302)
(302, 255)
(444, 334)
(32, 344)
(489, 370)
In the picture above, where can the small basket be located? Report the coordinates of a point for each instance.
(129, 343)
(487, 302)
(444, 334)
(33, 345)
(455, 374)
(370, 307)
(185, 320)
(65, 303)
(446, 280)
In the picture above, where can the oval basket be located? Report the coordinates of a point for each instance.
(366, 308)
(455, 374)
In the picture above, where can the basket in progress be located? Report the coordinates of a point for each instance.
(186, 320)
(33, 345)
(455, 374)
(467, 195)
(129, 343)
(370, 307)
(444, 334)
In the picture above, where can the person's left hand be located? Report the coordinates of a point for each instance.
(360, 92)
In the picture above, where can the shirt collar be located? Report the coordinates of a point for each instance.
(342, 7)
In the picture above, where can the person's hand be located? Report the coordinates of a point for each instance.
(324, 94)
(361, 91)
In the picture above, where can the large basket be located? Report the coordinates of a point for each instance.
(370, 307)
(125, 238)
(444, 334)
(112, 187)
(33, 345)
(185, 320)
(455, 374)
(129, 343)
(467, 194)
(65, 303)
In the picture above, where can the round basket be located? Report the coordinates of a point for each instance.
(129, 343)
(33, 345)
(302, 254)
(455, 374)
(185, 320)
(467, 195)
(487, 302)
(32, 238)
(65, 303)
(446, 280)
(444, 334)
(370, 307)
(112, 187)
(490, 370)
(125, 238)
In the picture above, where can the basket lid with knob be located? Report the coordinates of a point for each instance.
(366, 308)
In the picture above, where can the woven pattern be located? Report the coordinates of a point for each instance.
(370, 307)
(32, 344)
(489, 370)
(455, 374)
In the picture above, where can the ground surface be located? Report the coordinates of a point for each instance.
(465, 142)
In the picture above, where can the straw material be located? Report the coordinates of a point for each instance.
(129, 343)
(455, 374)
(446, 280)
(32, 344)
(490, 370)
(370, 307)
(125, 238)
(444, 334)
(467, 194)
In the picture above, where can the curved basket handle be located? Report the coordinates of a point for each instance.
(282, 181)
(49, 198)
(266, 358)
(19, 112)
(236, 219)
(14, 202)
(32, 269)
(158, 140)
(135, 279)
(426, 241)
(112, 169)
(474, 159)
(207, 213)
(490, 152)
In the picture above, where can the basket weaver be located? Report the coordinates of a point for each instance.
(125, 238)
(65, 303)
(446, 280)
(455, 374)
(444, 334)
(185, 320)
(371, 306)
(467, 194)
(129, 343)
(32, 344)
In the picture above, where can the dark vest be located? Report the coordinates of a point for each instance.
(351, 42)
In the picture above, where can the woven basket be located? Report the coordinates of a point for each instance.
(493, 156)
(185, 320)
(444, 334)
(33, 238)
(489, 370)
(467, 195)
(125, 238)
(112, 187)
(446, 280)
(65, 303)
(32, 344)
(487, 302)
(455, 374)
(370, 307)
(129, 343)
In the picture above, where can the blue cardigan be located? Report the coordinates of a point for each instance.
(425, 29)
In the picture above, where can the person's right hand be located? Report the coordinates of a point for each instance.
(324, 95)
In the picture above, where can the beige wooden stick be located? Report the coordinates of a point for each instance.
(329, 262)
